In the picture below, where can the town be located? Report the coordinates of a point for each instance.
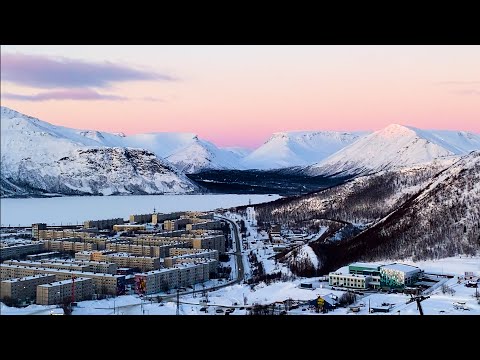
(162, 257)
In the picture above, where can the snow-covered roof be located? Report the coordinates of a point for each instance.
(367, 265)
(401, 267)
(63, 282)
(350, 275)
(26, 278)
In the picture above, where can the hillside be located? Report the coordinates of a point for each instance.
(424, 212)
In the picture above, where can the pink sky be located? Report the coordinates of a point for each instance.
(240, 95)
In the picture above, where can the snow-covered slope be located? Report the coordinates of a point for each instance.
(163, 144)
(39, 157)
(426, 211)
(395, 146)
(241, 151)
(203, 155)
(298, 148)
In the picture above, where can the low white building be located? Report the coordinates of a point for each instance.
(354, 281)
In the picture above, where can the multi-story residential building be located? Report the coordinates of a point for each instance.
(36, 228)
(104, 283)
(128, 227)
(147, 247)
(204, 225)
(57, 292)
(212, 263)
(95, 266)
(103, 224)
(214, 242)
(64, 233)
(52, 265)
(69, 244)
(193, 253)
(25, 288)
(160, 218)
(145, 263)
(171, 225)
(140, 219)
(41, 256)
(181, 275)
(18, 250)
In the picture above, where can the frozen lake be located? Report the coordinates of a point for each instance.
(76, 209)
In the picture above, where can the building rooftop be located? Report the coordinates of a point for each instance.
(350, 275)
(63, 282)
(52, 270)
(128, 255)
(401, 267)
(366, 265)
(26, 278)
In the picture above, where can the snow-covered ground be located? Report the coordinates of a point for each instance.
(76, 209)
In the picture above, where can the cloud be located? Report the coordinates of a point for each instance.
(467, 92)
(72, 94)
(48, 72)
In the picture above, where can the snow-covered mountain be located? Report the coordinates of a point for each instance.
(298, 148)
(203, 155)
(395, 146)
(38, 157)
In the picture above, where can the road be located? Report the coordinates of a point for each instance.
(238, 252)
(240, 272)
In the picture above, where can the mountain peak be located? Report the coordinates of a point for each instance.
(394, 130)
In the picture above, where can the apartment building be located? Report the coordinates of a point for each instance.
(171, 225)
(25, 288)
(94, 255)
(104, 283)
(201, 224)
(160, 218)
(191, 251)
(17, 250)
(212, 263)
(103, 224)
(196, 253)
(64, 233)
(95, 266)
(41, 256)
(57, 292)
(36, 228)
(128, 227)
(151, 247)
(181, 275)
(140, 219)
(69, 244)
(51, 265)
(145, 263)
(214, 242)
(139, 250)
